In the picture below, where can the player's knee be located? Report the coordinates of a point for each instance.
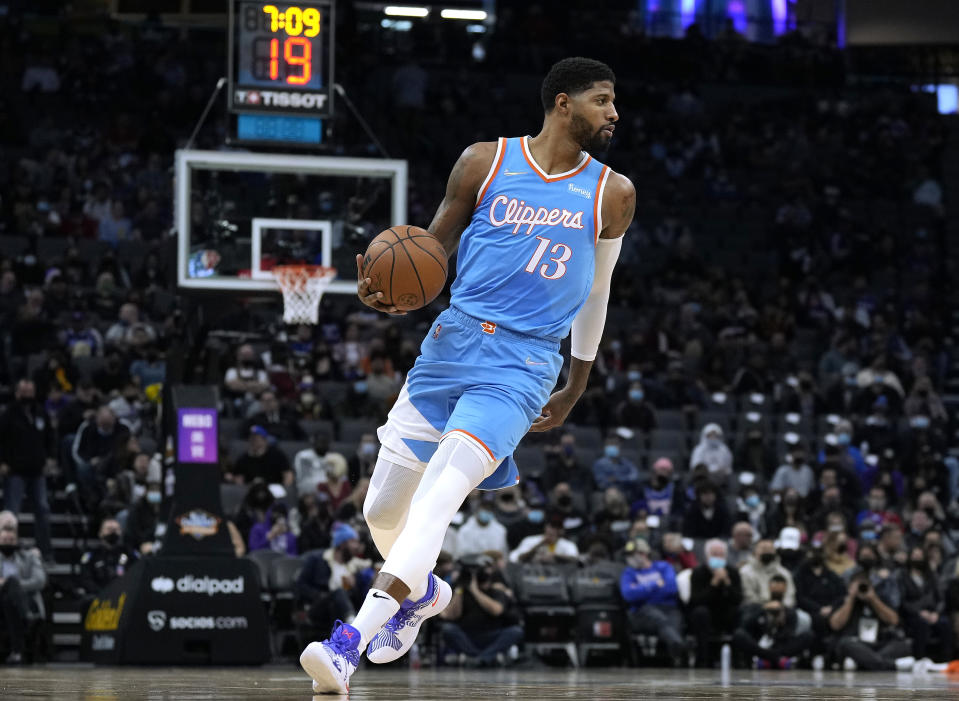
(381, 511)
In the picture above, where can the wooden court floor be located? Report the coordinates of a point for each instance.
(286, 682)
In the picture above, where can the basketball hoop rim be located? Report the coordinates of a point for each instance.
(286, 271)
(302, 287)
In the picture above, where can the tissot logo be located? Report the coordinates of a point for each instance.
(164, 585)
(278, 98)
(156, 619)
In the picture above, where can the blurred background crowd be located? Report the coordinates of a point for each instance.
(766, 456)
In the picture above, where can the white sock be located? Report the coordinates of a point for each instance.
(377, 609)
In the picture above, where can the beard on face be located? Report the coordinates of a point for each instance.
(591, 140)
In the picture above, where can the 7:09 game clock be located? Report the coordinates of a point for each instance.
(281, 57)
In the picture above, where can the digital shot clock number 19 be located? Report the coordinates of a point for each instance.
(281, 57)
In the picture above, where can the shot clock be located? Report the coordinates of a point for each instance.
(281, 58)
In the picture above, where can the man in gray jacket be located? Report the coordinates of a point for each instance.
(22, 578)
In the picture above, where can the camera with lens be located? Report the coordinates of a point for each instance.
(863, 587)
(477, 568)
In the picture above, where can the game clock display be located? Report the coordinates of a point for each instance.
(281, 57)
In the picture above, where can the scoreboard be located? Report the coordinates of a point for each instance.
(281, 69)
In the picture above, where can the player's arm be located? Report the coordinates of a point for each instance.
(452, 216)
(455, 211)
(619, 205)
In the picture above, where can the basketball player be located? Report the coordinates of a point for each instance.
(538, 223)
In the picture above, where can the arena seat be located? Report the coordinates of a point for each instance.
(282, 578)
(549, 617)
(594, 591)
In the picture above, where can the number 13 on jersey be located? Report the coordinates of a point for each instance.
(564, 251)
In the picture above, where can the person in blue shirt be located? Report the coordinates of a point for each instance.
(613, 470)
(850, 454)
(649, 589)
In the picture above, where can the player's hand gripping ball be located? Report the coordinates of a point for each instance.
(407, 264)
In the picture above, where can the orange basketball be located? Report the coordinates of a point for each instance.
(407, 264)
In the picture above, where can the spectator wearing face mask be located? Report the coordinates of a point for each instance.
(876, 512)
(770, 632)
(890, 548)
(561, 502)
(788, 513)
(714, 597)
(564, 464)
(712, 452)
(795, 474)
(635, 411)
(819, 590)
(309, 464)
(481, 533)
(849, 456)
(22, 578)
(882, 579)
(707, 517)
(662, 495)
(613, 470)
(839, 550)
(648, 587)
(758, 572)
(868, 627)
(146, 522)
(754, 454)
(310, 522)
(923, 609)
(830, 502)
(752, 509)
(246, 379)
(106, 561)
(362, 463)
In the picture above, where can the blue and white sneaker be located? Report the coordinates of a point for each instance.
(332, 661)
(399, 633)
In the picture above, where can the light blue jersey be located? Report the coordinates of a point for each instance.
(490, 361)
(526, 259)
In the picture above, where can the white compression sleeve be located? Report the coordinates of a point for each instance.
(588, 325)
(453, 472)
(388, 501)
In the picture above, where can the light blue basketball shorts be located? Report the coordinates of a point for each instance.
(475, 378)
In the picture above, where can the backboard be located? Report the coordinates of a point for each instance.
(238, 214)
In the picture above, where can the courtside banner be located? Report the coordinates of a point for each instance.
(183, 610)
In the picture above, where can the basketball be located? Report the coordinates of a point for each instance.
(407, 264)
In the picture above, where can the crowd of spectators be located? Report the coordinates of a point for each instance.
(764, 447)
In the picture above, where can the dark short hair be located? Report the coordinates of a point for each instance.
(571, 76)
(778, 578)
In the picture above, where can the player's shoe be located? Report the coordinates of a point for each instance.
(332, 661)
(399, 633)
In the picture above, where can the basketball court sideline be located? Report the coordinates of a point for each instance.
(283, 682)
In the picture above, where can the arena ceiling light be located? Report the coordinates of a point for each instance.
(453, 13)
(405, 11)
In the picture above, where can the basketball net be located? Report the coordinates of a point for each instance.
(302, 286)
